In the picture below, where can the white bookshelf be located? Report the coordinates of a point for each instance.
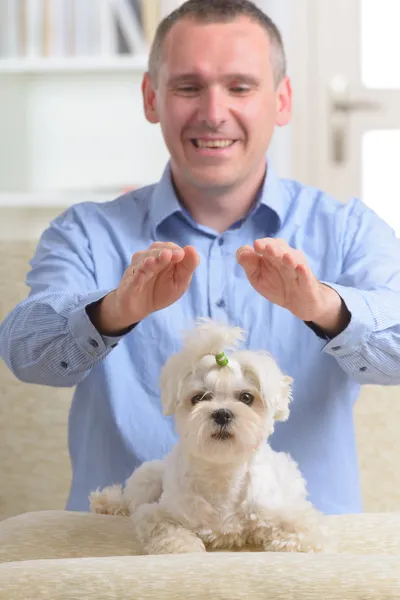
(41, 66)
(72, 127)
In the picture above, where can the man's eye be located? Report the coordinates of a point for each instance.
(201, 397)
(187, 89)
(246, 398)
(240, 89)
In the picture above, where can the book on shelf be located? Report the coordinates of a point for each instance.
(76, 28)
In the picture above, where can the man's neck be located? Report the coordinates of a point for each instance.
(219, 209)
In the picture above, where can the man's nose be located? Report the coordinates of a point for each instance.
(212, 111)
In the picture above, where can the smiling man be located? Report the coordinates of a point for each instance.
(313, 281)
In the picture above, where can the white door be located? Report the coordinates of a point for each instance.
(354, 110)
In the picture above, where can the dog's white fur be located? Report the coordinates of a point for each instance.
(222, 486)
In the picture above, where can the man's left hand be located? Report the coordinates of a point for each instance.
(281, 274)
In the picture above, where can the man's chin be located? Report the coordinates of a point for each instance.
(212, 179)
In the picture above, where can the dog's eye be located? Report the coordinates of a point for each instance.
(246, 398)
(201, 397)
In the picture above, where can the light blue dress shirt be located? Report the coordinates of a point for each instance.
(116, 421)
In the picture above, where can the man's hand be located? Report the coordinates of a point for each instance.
(156, 278)
(281, 274)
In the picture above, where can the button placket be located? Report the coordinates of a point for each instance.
(217, 275)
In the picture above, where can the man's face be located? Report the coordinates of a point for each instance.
(217, 102)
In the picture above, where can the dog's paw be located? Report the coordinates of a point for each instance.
(109, 501)
(296, 542)
(179, 544)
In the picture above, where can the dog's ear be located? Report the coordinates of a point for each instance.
(283, 399)
(171, 384)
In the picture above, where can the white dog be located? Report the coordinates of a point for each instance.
(222, 486)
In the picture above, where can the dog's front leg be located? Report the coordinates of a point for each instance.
(292, 531)
(159, 533)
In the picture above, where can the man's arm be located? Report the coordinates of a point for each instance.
(369, 286)
(48, 338)
(67, 324)
(359, 314)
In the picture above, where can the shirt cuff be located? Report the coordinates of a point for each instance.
(91, 342)
(360, 327)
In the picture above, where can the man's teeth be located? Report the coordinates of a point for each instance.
(213, 143)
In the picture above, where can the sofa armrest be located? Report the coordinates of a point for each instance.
(63, 534)
(216, 576)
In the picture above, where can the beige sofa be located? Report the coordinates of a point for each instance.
(46, 552)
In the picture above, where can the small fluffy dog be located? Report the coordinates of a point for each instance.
(222, 486)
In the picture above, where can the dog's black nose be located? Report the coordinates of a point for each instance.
(222, 416)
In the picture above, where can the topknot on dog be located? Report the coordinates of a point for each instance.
(211, 338)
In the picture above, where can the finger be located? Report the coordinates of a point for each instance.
(242, 249)
(151, 264)
(141, 255)
(164, 255)
(170, 245)
(305, 277)
(250, 261)
(289, 265)
(186, 267)
(273, 243)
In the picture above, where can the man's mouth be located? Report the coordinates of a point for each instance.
(212, 143)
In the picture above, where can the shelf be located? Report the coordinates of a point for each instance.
(49, 199)
(38, 66)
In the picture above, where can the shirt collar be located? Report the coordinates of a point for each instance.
(274, 196)
(164, 201)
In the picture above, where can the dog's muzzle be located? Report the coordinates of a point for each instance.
(222, 416)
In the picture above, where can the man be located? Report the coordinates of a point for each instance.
(113, 285)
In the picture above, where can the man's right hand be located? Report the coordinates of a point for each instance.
(156, 278)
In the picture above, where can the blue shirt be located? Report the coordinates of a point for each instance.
(116, 421)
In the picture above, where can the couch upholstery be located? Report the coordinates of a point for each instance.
(49, 553)
(59, 555)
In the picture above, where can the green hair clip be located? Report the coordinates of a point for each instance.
(221, 359)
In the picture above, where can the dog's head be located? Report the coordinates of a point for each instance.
(225, 405)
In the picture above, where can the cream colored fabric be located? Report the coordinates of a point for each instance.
(367, 568)
(210, 577)
(63, 534)
(35, 471)
(377, 423)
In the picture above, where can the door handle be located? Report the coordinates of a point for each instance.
(340, 107)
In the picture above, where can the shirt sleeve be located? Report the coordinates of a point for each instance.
(369, 284)
(48, 338)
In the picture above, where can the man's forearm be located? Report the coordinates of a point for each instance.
(51, 347)
(333, 317)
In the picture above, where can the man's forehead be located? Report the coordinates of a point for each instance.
(233, 33)
(215, 56)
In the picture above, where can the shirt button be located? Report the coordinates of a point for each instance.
(93, 343)
(336, 348)
(221, 303)
(64, 364)
(221, 241)
(362, 369)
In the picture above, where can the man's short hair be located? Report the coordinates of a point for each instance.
(218, 11)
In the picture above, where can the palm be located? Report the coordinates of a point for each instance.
(152, 285)
(270, 283)
(164, 289)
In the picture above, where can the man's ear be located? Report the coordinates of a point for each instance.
(283, 102)
(283, 399)
(149, 99)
